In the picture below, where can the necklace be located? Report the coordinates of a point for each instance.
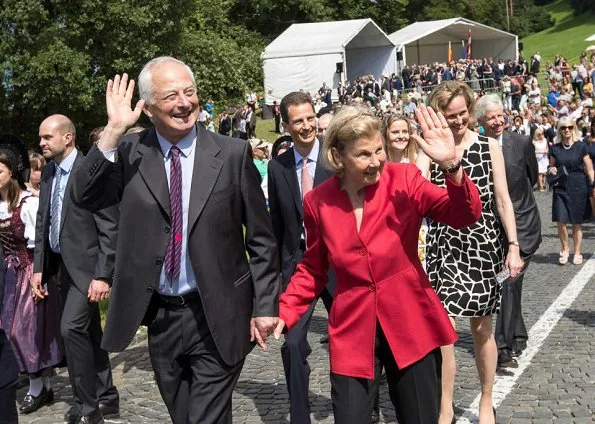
(567, 146)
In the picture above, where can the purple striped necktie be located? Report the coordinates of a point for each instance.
(174, 248)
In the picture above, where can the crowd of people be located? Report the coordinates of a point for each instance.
(403, 212)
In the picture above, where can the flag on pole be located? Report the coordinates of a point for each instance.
(449, 52)
(469, 45)
(464, 53)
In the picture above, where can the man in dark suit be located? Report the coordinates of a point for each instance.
(290, 176)
(79, 247)
(521, 174)
(186, 195)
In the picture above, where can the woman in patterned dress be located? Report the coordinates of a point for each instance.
(33, 329)
(462, 264)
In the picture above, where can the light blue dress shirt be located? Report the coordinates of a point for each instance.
(64, 167)
(187, 280)
(312, 162)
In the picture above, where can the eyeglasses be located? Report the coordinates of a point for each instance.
(570, 127)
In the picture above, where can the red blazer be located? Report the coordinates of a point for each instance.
(379, 275)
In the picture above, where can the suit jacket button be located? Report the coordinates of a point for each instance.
(371, 287)
(159, 262)
(167, 229)
(149, 289)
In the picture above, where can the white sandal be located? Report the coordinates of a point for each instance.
(563, 258)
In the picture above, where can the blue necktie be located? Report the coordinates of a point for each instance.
(55, 211)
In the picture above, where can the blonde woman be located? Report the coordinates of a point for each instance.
(541, 151)
(400, 148)
(570, 161)
(397, 131)
(462, 264)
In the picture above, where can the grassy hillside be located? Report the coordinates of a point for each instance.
(566, 37)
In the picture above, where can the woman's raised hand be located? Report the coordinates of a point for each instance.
(438, 142)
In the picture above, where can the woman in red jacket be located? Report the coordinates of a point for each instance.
(365, 223)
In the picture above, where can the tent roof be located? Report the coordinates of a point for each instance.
(326, 37)
(455, 28)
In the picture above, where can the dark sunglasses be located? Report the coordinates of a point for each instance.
(570, 127)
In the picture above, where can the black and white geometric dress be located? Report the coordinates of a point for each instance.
(462, 264)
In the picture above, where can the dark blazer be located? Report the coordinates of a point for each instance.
(521, 175)
(87, 240)
(285, 202)
(225, 197)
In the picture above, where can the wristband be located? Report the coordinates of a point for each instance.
(514, 243)
(451, 169)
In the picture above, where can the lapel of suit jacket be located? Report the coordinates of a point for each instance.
(290, 173)
(45, 194)
(506, 146)
(152, 169)
(322, 174)
(207, 167)
(66, 199)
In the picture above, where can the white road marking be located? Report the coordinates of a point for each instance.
(504, 384)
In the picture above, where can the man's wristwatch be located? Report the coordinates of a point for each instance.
(451, 169)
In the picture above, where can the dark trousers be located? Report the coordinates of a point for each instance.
(415, 391)
(88, 365)
(9, 370)
(510, 327)
(194, 382)
(295, 351)
(277, 123)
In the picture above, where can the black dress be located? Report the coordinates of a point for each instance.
(570, 202)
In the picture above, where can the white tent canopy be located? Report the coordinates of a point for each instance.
(306, 55)
(427, 42)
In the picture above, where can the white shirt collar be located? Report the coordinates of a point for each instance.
(185, 145)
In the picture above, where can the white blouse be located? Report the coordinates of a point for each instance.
(28, 215)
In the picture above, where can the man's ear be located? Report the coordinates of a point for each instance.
(146, 111)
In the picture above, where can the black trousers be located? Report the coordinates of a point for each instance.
(9, 370)
(194, 382)
(415, 391)
(88, 364)
(510, 325)
(294, 353)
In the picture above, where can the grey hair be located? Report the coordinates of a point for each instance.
(485, 104)
(145, 78)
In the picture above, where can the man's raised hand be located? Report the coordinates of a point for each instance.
(120, 115)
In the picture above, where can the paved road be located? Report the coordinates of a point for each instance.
(556, 385)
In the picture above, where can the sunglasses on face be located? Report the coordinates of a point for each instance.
(566, 128)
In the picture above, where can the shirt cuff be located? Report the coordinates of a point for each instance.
(110, 155)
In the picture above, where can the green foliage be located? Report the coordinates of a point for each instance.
(57, 55)
(582, 6)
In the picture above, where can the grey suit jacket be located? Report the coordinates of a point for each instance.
(225, 199)
(521, 175)
(87, 240)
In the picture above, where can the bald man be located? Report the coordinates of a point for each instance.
(78, 247)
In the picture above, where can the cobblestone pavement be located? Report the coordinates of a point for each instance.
(558, 385)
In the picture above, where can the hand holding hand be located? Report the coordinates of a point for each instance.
(438, 142)
(261, 328)
(98, 291)
(37, 290)
(279, 329)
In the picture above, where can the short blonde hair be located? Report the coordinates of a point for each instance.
(349, 125)
(411, 149)
(442, 95)
(567, 121)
